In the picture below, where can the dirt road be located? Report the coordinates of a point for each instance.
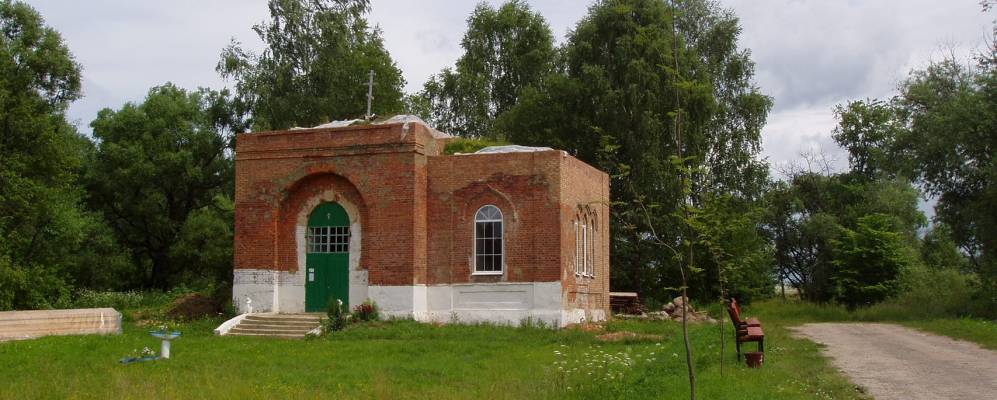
(894, 362)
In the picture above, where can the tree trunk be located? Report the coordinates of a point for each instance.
(685, 332)
(159, 278)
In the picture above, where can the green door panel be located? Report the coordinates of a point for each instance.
(328, 214)
(327, 258)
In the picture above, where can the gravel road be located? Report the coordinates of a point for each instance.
(894, 362)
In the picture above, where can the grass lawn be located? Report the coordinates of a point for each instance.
(790, 313)
(405, 359)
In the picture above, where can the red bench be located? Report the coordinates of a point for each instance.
(745, 331)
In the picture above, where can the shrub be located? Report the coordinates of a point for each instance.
(366, 311)
(868, 262)
(467, 145)
(337, 317)
(127, 300)
(935, 292)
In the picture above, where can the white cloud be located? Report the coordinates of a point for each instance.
(810, 54)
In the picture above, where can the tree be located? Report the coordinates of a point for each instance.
(940, 132)
(732, 143)
(611, 106)
(625, 78)
(865, 129)
(43, 227)
(314, 68)
(505, 50)
(821, 223)
(868, 262)
(158, 169)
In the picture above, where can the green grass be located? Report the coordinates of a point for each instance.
(980, 332)
(789, 313)
(405, 359)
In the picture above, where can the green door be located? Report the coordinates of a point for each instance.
(328, 257)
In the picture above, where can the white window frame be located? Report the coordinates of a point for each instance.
(501, 238)
(578, 253)
(327, 239)
(585, 248)
(590, 267)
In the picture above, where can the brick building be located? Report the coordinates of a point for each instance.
(378, 211)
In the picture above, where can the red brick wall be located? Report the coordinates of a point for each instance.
(523, 185)
(417, 207)
(584, 192)
(380, 169)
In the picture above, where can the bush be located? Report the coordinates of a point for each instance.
(466, 145)
(868, 261)
(366, 311)
(127, 300)
(935, 292)
(337, 317)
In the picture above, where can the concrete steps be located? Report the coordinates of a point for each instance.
(37, 323)
(289, 326)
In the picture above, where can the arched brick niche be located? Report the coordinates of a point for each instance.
(475, 197)
(301, 198)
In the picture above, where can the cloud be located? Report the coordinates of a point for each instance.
(810, 54)
(814, 52)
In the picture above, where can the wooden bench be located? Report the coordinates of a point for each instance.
(745, 331)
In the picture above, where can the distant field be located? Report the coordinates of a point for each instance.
(405, 359)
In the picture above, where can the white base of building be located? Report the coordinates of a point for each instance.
(260, 290)
(264, 290)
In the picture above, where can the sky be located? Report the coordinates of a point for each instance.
(810, 55)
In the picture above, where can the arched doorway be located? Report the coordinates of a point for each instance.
(327, 257)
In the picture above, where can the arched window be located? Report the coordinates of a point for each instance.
(488, 245)
(579, 266)
(585, 243)
(590, 254)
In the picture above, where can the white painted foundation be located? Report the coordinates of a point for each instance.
(503, 303)
(283, 291)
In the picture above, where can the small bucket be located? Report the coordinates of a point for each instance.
(754, 359)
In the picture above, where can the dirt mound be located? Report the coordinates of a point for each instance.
(586, 327)
(193, 306)
(626, 335)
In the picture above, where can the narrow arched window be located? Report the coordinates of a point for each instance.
(579, 268)
(488, 241)
(590, 254)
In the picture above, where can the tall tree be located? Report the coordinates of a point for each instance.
(42, 224)
(505, 50)
(314, 67)
(158, 166)
(941, 133)
(732, 145)
(865, 129)
(613, 103)
(612, 106)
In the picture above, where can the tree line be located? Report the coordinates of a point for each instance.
(146, 201)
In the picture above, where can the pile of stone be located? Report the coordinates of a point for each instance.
(672, 312)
